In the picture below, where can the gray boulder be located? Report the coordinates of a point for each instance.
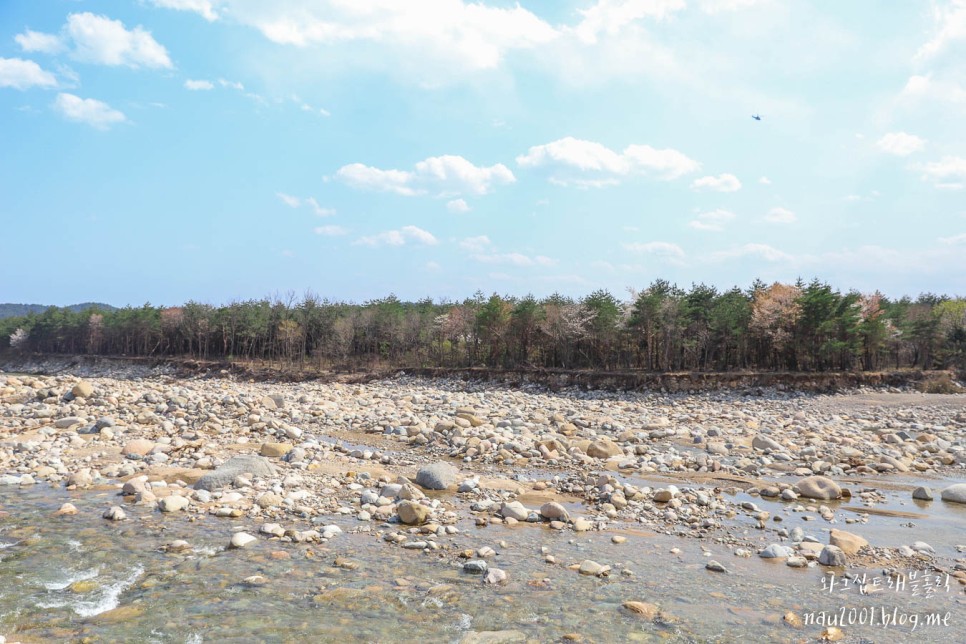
(437, 476)
(232, 468)
(955, 493)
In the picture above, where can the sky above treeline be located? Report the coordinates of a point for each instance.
(211, 150)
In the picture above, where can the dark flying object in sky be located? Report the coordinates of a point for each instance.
(756, 117)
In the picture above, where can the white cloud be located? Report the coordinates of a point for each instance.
(955, 240)
(450, 34)
(475, 244)
(514, 259)
(713, 220)
(900, 143)
(950, 19)
(399, 237)
(100, 40)
(927, 87)
(762, 251)
(446, 175)
(88, 110)
(317, 209)
(289, 200)
(610, 16)
(780, 216)
(432, 266)
(365, 177)
(571, 154)
(231, 84)
(205, 8)
(765, 181)
(721, 183)
(196, 85)
(23, 74)
(329, 231)
(296, 202)
(457, 206)
(36, 41)
(721, 6)
(949, 172)
(671, 252)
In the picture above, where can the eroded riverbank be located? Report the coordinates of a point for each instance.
(581, 501)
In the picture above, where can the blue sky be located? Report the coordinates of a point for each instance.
(167, 150)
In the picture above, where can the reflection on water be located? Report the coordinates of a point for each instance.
(80, 576)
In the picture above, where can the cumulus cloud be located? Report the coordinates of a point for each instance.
(713, 220)
(950, 26)
(900, 143)
(721, 183)
(765, 181)
(204, 8)
(761, 251)
(457, 206)
(198, 85)
(88, 110)
(780, 216)
(36, 41)
(445, 175)
(330, 231)
(610, 16)
(399, 238)
(102, 41)
(949, 172)
(577, 158)
(920, 87)
(24, 74)
(454, 34)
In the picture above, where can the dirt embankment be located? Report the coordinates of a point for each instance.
(553, 379)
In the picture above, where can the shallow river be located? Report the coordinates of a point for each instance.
(73, 578)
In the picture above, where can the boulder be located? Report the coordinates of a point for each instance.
(140, 447)
(818, 487)
(514, 510)
(275, 450)
(232, 468)
(832, 556)
(849, 543)
(412, 513)
(83, 389)
(604, 448)
(922, 494)
(554, 511)
(955, 493)
(766, 443)
(437, 476)
(172, 503)
(241, 540)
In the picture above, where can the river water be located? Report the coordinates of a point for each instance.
(82, 578)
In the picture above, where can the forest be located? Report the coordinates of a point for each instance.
(778, 327)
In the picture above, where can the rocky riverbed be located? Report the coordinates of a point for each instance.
(388, 490)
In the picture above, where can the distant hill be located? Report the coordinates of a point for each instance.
(8, 310)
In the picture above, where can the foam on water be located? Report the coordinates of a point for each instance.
(83, 575)
(110, 598)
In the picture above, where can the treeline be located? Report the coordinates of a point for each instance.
(787, 327)
(9, 309)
